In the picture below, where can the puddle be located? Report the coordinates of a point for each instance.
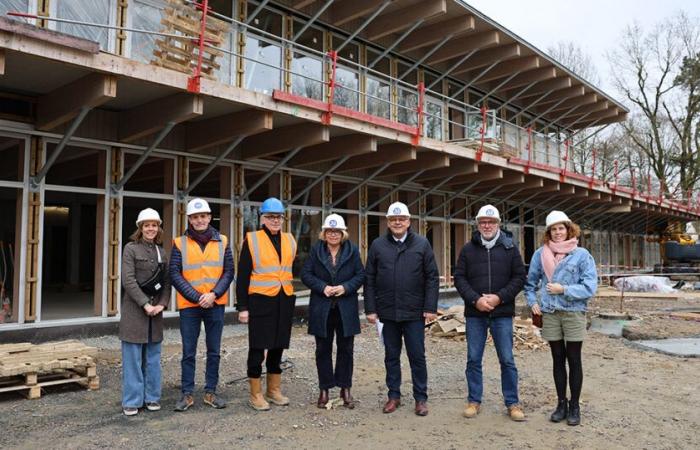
(687, 347)
(611, 324)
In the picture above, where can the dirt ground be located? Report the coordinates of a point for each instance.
(631, 398)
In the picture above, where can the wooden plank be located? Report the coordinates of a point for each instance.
(2, 61)
(463, 45)
(24, 29)
(458, 166)
(386, 153)
(347, 11)
(403, 18)
(283, 139)
(150, 118)
(223, 129)
(337, 147)
(433, 33)
(64, 103)
(487, 57)
(424, 161)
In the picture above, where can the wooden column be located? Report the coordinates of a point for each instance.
(362, 206)
(114, 237)
(33, 222)
(100, 235)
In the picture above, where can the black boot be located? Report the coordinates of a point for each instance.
(561, 412)
(574, 417)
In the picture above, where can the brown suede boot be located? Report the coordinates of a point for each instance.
(273, 393)
(256, 400)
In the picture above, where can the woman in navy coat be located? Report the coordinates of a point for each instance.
(333, 271)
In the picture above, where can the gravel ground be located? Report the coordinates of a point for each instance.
(631, 399)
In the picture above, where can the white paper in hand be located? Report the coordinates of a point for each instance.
(380, 327)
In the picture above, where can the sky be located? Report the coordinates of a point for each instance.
(594, 25)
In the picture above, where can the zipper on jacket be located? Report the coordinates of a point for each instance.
(488, 253)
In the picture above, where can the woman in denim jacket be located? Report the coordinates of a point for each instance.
(566, 277)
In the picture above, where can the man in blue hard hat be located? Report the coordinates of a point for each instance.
(265, 300)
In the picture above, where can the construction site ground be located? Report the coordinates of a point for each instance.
(632, 398)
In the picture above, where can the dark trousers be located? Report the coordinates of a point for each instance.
(413, 335)
(256, 356)
(190, 323)
(342, 377)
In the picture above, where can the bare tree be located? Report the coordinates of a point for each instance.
(647, 70)
(574, 58)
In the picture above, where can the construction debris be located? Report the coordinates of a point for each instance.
(451, 324)
(30, 367)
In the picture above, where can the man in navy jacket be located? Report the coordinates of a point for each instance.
(489, 274)
(401, 290)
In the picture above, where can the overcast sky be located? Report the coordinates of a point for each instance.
(595, 25)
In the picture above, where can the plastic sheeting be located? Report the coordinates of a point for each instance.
(93, 11)
(14, 5)
(645, 283)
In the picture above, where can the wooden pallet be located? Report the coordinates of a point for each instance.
(33, 382)
(182, 53)
(24, 358)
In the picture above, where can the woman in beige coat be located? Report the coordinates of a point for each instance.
(146, 293)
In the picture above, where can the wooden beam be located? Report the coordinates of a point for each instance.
(403, 18)
(424, 161)
(386, 153)
(485, 173)
(151, 117)
(64, 103)
(585, 99)
(507, 68)
(610, 115)
(2, 61)
(594, 107)
(487, 57)
(458, 166)
(337, 147)
(507, 179)
(433, 33)
(619, 209)
(556, 94)
(547, 188)
(463, 45)
(302, 3)
(544, 86)
(282, 139)
(223, 129)
(349, 10)
(528, 77)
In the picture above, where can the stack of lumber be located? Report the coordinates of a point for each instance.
(29, 367)
(451, 324)
(182, 53)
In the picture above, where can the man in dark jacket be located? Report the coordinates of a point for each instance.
(489, 274)
(401, 289)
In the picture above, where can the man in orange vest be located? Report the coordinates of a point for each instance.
(201, 270)
(265, 300)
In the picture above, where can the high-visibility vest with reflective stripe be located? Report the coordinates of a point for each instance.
(202, 269)
(269, 273)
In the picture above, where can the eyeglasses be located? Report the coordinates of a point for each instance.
(331, 231)
(490, 223)
(397, 219)
(274, 218)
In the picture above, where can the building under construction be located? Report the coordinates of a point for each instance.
(111, 106)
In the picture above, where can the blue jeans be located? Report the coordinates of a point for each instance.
(190, 324)
(414, 337)
(502, 332)
(140, 374)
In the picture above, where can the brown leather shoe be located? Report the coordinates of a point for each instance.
(348, 401)
(391, 405)
(421, 408)
(322, 398)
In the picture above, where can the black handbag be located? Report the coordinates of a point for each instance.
(154, 284)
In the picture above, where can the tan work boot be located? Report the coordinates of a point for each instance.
(471, 410)
(516, 413)
(273, 393)
(256, 400)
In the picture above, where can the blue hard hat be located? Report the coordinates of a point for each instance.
(272, 206)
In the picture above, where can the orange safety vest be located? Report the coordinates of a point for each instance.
(202, 269)
(269, 273)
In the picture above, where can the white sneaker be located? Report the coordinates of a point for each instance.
(153, 406)
(130, 411)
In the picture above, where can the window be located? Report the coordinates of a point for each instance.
(307, 66)
(378, 98)
(346, 92)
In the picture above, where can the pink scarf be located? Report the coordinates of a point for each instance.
(554, 252)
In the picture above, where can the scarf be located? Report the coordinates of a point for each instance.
(202, 238)
(554, 252)
(489, 244)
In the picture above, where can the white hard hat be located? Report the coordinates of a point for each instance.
(556, 217)
(488, 212)
(335, 222)
(198, 205)
(398, 209)
(148, 214)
